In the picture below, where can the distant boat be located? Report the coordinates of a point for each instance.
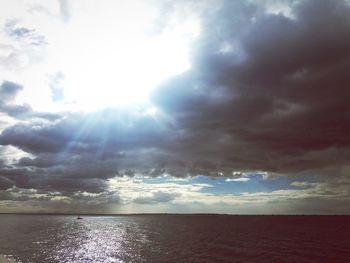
(79, 217)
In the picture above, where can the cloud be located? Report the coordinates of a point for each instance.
(156, 197)
(64, 10)
(251, 103)
(8, 93)
(20, 46)
(79, 152)
(26, 35)
(5, 183)
(56, 87)
(243, 179)
(272, 101)
(267, 91)
(56, 201)
(303, 184)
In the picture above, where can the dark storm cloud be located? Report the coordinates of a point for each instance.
(5, 183)
(66, 185)
(19, 176)
(32, 139)
(64, 179)
(277, 94)
(42, 161)
(109, 132)
(81, 151)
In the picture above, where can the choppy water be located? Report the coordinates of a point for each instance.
(176, 238)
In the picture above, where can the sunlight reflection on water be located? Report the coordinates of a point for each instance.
(99, 239)
(156, 238)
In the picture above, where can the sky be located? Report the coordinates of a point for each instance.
(213, 106)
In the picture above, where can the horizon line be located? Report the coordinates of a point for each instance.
(177, 214)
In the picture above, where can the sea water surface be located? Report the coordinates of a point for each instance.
(175, 238)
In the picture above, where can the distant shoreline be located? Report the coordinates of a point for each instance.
(169, 214)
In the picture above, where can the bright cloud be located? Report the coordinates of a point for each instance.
(107, 54)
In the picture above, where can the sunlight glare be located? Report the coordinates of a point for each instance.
(113, 59)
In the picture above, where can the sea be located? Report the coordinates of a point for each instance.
(175, 238)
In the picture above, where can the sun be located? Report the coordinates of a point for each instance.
(115, 57)
(123, 73)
